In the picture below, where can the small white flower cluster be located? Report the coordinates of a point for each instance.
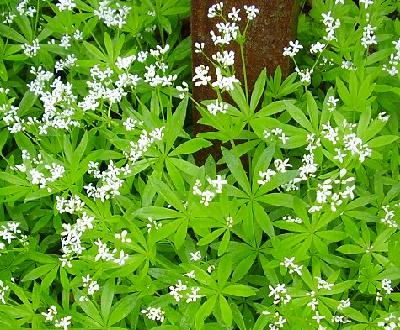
(331, 103)
(122, 237)
(226, 32)
(10, 232)
(56, 171)
(24, 9)
(58, 100)
(390, 322)
(104, 253)
(154, 314)
(291, 219)
(331, 25)
(280, 167)
(343, 304)
(35, 174)
(386, 286)
(292, 49)
(69, 205)
(217, 106)
(279, 320)
(389, 218)
(322, 284)
(229, 222)
(346, 140)
(130, 124)
(31, 50)
(63, 322)
(308, 167)
(305, 75)
(369, 37)
(153, 224)
(195, 256)
(317, 48)
(177, 292)
(208, 195)
(280, 294)
(278, 132)
(293, 268)
(112, 17)
(109, 181)
(348, 65)
(392, 67)
(156, 73)
(145, 141)
(3, 290)
(8, 18)
(65, 5)
(104, 86)
(65, 64)
(71, 244)
(334, 192)
(313, 304)
(367, 3)
(91, 287)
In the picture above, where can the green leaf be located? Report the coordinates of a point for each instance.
(211, 237)
(224, 269)
(107, 297)
(239, 98)
(258, 90)
(239, 290)
(190, 147)
(204, 311)
(263, 219)
(226, 311)
(38, 272)
(299, 116)
(236, 167)
(122, 309)
(350, 249)
(175, 124)
(381, 141)
(312, 110)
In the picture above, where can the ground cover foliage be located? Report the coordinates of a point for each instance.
(106, 222)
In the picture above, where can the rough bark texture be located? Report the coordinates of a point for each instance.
(269, 33)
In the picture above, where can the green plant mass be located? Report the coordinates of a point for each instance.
(108, 220)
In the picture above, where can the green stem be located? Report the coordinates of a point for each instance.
(246, 87)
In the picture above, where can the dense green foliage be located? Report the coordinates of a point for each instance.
(106, 221)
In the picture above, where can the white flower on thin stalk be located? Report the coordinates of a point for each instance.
(3, 290)
(122, 236)
(199, 47)
(51, 313)
(292, 49)
(367, 3)
(201, 75)
(369, 37)
(317, 48)
(279, 293)
(215, 10)
(331, 103)
(251, 11)
(217, 107)
(31, 50)
(195, 256)
(305, 75)
(224, 83)
(225, 59)
(65, 5)
(154, 314)
(64, 322)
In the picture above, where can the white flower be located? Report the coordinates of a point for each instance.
(344, 304)
(251, 12)
(3, 289)
(225, 59)
(234, 15)
(293, 49)
(332, 102)
(193, 295)
(65, 5)
(322, 284)
(122, 258)
(31, 50)
(367, 3)
(195, 256)
(368, 37)
(199, 47)
(217, 106)
(280, 294)
(201, 76)
(225, 83)
(122, 237)
(215, 10)
(64, 322)
(155, 314)
(112, 15)
(317, 48)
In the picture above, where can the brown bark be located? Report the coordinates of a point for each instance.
(269, 33)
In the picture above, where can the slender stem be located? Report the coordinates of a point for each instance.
(246, 87)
